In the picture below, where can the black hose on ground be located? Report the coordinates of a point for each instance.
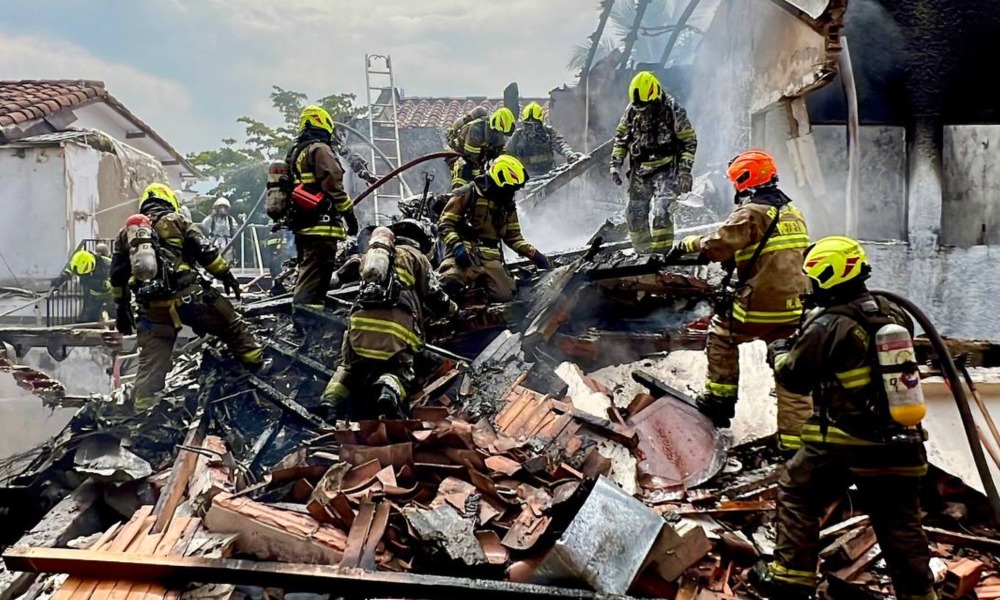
(950, 372)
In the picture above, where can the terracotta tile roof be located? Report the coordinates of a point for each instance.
(26, 100)
(441, 112)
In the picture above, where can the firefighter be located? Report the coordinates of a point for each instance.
(94, 270)
(478, 217)
(851, 437)
(176, 296)
(534, 143)
(315, 170)
(220, 227)
(385, 326)
(660, 143)
(765, 302)
(479, 137)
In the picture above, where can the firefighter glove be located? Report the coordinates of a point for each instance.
(684, 182)
(462, 256)
(351, 220)
(367, 176)
(540, 260)
(124, 319)
(688, 245)
(576, 157)
(58, 282)
(616, 174)
(777, 351)
(231, 285)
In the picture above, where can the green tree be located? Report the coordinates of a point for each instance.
(240, 169)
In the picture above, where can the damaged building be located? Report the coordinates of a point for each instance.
(554, 449)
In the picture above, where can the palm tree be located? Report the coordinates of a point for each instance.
(658, 23)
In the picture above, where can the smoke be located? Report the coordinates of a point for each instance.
(84, 371)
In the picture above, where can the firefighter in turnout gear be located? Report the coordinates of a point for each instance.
(534, 143)
(177, 295)
(399, 290)
(479, 137)
(320, 213)
(660, 143)
(852, 437)
(762, 243)
(220, 226)
(478, 217)
(94, 271)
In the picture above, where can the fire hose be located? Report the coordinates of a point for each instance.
(416, 161)
(954, 381)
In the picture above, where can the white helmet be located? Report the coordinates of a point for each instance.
(222, 202)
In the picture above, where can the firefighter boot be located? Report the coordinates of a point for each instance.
(389, 404)
(762, 580)
(719, 409)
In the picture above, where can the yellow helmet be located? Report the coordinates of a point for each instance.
(836, 260)
(532, 111)
(160, 191)
(507, 170)
(316, 116)
(82, 263)
(645, 87)
(502, 120)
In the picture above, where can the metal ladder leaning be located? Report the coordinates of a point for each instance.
(383, 129)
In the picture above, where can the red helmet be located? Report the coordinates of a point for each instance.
(751, 169)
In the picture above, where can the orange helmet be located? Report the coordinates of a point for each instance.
(751, 169)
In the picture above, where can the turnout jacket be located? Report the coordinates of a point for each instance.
(482, 223)
(655, 138)
(312, 162)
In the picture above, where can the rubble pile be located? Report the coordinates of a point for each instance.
(516, 474)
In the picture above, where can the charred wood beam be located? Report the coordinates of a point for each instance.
(279, 305)
(180, 473)
(595, 38)
(178, 571)
(309, 364)
(287, 404)
(633, 32)
(678, 28)
(264, 442)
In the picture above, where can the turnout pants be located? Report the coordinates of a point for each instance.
(355, 373)
(651, 195)
(888, 478)
(490, 275)
(207, 313)
(724, 338)
(317, 262)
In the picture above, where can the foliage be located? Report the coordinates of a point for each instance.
(658, 23)
(240, 169)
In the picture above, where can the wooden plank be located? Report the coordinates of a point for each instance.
(180, 473)
(375, 533)
(851, 571)
(119, 590)
(178, 528)
(840, 528)
(75, 589)
(963, 539)
(347, 582)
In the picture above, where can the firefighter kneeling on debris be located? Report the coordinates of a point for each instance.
(865, 428)
(762, 242)
(156, 257)
(398, 288)
(476, 219)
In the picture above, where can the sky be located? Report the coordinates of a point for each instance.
(190, 68)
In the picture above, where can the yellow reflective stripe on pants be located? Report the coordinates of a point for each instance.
(812, 433)
(855, 378)
(918, 471)
(778, 242)
(782, 573)
(765, 316)
(723, 390)
(334, 231)
(387, 327)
